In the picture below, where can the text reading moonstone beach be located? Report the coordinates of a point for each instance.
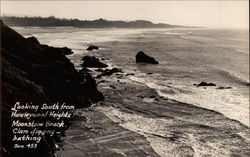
(31, 122)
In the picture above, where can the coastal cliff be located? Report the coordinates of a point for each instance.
(31, 72)
(99, 23)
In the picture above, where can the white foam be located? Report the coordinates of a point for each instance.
(229, 102)
(174, 33)
(149, 127)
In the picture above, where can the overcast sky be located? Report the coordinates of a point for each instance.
(192, 13)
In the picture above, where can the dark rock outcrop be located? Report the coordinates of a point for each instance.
(130, 74)
(90, 87)
(108, 72)
(205, 84)
(33, 40)
(224, 88)
(36, 73)
(64, 50)
(85, 70)
(93, 62)
(92, 47)
(141, 57)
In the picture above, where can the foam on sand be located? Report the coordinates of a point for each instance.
(228, 102)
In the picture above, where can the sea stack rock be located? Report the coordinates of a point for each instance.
(205, 84)
(141, 57)
(92, 47)
(91, 61)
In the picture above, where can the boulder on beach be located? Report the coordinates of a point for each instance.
(93, 62)
(130, 74)
(92, 47)
(224, 88)
(205, 84)
(141, 57)
(108, 72)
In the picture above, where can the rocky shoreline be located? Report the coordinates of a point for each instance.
(171, 128)
(31, 72)
(165, 127)
(133, 120)
(133, 112)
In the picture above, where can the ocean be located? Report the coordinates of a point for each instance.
(162, 102)
(186, 56)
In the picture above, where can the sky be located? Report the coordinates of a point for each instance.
(214, 14)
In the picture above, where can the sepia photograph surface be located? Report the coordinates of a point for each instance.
(124, 78)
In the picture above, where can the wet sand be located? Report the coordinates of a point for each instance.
(134, 119)
(94, 134)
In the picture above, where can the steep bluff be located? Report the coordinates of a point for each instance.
(31, 72)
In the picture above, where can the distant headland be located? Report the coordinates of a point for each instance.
(52, 21)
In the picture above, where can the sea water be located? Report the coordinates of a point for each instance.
(187, 56)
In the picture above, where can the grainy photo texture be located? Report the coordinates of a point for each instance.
(124, 78)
